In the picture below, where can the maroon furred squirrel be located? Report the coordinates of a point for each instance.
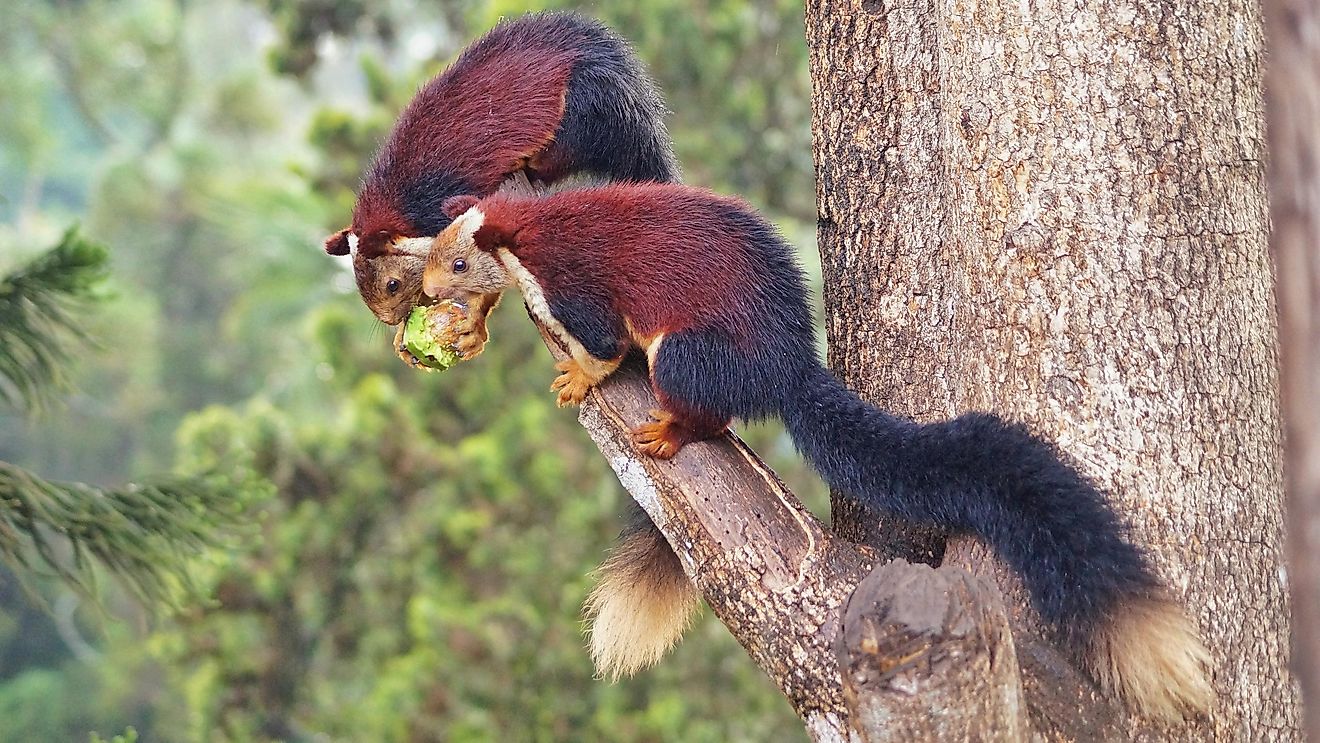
(548, 94)
(713, 295)
(545, 96)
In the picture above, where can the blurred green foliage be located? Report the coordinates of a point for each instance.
(420, 544)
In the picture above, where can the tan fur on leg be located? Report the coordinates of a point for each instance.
(579, 376)
(640, 607)
(1151, 655)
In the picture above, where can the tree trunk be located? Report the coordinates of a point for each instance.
(1293, 88)
(1056, 211)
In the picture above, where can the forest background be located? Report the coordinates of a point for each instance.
(413, 550)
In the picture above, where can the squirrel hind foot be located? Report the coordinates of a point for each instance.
(1150, 653)
(669, 433)
(661, 438)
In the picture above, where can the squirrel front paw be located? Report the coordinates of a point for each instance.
(471, 337)
(404, 353)
(573, 384)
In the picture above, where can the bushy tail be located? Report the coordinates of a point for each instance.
(980, 474)
(642, 602)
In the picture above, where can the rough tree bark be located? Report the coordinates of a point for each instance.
(1055, 210)
(1293, 98)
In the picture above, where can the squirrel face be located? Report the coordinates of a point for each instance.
(456, 268)
(390, 285)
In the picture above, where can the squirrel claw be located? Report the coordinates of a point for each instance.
(471, 338)
(404, 354)
(572, 385)
(661, 439)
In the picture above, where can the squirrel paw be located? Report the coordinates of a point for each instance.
(573, 384)
(471, 337)
(661, 439)
(403, 352)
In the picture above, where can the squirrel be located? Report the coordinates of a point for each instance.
(713, 296)
(543, 96)
(549, 94)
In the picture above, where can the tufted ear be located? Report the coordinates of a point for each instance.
(489, 237)
(456, 205)
(337, 244)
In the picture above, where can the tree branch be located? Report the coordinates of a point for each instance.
(766, 566)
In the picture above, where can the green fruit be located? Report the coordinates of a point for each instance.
(428, 335)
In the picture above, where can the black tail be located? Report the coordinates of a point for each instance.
(978, 473)
(614, 114)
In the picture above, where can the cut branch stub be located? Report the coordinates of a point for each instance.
(927, 655)
(1064, 703)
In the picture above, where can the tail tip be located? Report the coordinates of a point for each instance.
(640, 607)
(1151, 655)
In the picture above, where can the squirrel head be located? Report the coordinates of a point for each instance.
(462, 262)
(387, 269)
(391, 284)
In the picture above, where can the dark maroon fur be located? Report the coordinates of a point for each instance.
(724, 289)
(480, 120)
(456, 205)
(337, 244)
(555, 93)
(634, 249)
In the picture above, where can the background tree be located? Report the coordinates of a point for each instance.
(64, 535)
(1293, 95)
(1059, 213)
(142, 534)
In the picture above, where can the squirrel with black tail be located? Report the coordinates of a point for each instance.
(551, 95)
(713, 296)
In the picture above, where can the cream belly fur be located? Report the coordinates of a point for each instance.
(540, 308)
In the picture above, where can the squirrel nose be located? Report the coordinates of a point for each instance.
(435, 288)
(431, 287)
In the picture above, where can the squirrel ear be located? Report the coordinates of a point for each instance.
(456, 205)
(337, 244)
(490, 237)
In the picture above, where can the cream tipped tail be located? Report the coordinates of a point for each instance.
(640, 607)
(1150, 654)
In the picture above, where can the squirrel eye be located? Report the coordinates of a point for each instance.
(460, 265)
(392, 286)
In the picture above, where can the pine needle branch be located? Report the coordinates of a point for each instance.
(145, 535)
(40, 331)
